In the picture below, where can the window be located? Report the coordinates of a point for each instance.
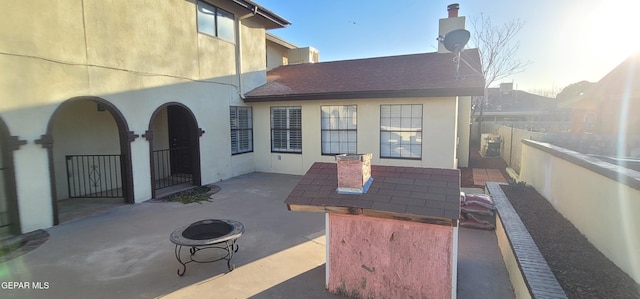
(401, 131)
(241, 129)
(286, 129)
(339, 129)
(216, 22)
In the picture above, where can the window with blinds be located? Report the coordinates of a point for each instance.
(401, 131)
(286, 129)
(339, 127)
(241, 119)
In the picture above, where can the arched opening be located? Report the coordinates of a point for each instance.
(174, 143)
(9, 217)
(89, 157)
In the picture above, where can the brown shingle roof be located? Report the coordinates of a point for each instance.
(623, 81)
(429, 195)
(517, 100)
(429, 74)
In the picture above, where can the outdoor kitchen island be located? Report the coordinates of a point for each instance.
(396, 239)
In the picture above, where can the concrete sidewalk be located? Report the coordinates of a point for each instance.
(126, 252)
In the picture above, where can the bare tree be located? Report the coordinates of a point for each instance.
(497, 49)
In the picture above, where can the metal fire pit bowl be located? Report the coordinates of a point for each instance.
(220, 234)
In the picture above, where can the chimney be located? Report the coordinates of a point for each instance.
(303, 55)
(506, 87)
(453, 10)
(354, 173)
(449, 24)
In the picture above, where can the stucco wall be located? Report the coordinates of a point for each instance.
(515, 276)
(135, 55)
(58, 35)
(384, 258)
(438, 134)
(33, 187)
(134, 36)
(464, 130)
(602, 208)
(511, 147)
(254, 59)
(276, 55)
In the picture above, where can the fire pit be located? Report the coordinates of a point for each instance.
(218, 234)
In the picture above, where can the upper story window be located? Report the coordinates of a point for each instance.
(286, 129)
(241, 129)
(216, 22)
(339, 125)
(401, 131)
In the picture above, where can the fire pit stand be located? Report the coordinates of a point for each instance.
(207, 234)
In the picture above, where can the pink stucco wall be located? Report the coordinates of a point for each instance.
(384, 258)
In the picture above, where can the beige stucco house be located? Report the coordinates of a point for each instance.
(407, 110)
(119, 99)
(143, 90)
(608, 106)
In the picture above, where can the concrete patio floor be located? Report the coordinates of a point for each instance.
(126, 252)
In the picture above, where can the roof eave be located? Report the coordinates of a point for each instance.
(438, 92)
(278, 21)
(279, 41)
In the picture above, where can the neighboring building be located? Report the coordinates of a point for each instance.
(119, 99)
(281, 52)
(507, 104)
(610, 107)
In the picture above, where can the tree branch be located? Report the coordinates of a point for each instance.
(497, 48)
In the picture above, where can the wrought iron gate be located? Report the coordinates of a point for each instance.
(94, 176)
(172, 167)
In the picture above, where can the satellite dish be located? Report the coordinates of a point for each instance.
(455, 40)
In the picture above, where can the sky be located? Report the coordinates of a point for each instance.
(565, 41)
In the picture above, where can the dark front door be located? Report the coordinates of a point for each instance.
(181, 140)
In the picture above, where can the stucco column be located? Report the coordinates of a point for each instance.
(464, 130)
(33, 187)
(140, 163)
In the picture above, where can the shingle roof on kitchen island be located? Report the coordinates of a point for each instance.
(430, 195)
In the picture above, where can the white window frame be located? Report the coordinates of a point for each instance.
(339, 129)
(401, 131)
(286, 134)
(241, 129)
